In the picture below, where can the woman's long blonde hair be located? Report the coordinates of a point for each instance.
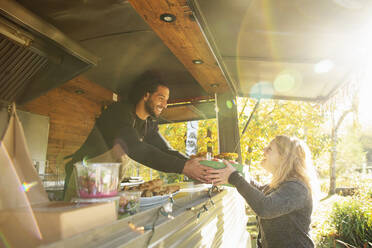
(296, 163)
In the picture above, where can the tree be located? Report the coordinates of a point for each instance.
(352, 153)
(273, 117)
(342, 104)
(334, 140)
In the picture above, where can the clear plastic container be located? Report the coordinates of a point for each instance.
(114, 199)
(96, 180)
(129, 202)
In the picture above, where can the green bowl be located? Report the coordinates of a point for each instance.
(213, 164)
(220, 165)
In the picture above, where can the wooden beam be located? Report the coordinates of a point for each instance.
(190, 99)
(228, 125)
(185, 39)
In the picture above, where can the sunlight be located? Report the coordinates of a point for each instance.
(284, 82)
(323, 66)
(365, 101)
(262, 89)
(3, 241)
(287, 80)
(208, 233)
(365, 98)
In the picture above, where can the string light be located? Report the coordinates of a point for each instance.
(167, 209)
(140, 229)
(204, 207)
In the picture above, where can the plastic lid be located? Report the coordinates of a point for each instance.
(95, 200)
(97, 164)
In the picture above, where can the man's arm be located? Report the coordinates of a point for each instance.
(157, 154)
(155, 138)
(192, 167)
(148, 154)
(155, 158)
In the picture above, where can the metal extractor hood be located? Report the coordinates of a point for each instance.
(34, 55)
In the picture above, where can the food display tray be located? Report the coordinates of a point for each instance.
(149, 202)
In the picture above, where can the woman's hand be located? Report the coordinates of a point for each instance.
(220, 176)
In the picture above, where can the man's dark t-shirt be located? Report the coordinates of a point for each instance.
(139, 139)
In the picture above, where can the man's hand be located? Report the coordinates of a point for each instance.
(195, 170)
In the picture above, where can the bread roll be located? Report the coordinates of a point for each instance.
(154, 187)
(147, 193)
(157, 182)
(173, 188)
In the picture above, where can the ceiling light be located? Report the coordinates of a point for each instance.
(79, 91)
(198, 61)
(166, 17)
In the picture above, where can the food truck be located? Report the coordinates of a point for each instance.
(62, 62)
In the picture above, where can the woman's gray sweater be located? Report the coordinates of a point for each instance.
(283, 215)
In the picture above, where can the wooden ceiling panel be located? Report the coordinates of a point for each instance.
(189, 112)
(185, 39)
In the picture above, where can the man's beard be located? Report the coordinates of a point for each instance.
(149, 107)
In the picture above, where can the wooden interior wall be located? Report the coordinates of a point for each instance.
(72, 116)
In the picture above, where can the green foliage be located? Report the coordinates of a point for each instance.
(171, 177)
(175, 134)
(322, 232)
(353, 222)
(351, 154)
(273, 117)
(348, 219)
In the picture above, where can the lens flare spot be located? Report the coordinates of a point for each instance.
(3, 241)
(323, 66)
(349, 4)
(284, 82)
(26, 186)
(262, 89)
(229, 104)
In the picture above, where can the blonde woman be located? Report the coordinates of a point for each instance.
(284, 206)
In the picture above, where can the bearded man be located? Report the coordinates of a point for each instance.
(130, 129)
